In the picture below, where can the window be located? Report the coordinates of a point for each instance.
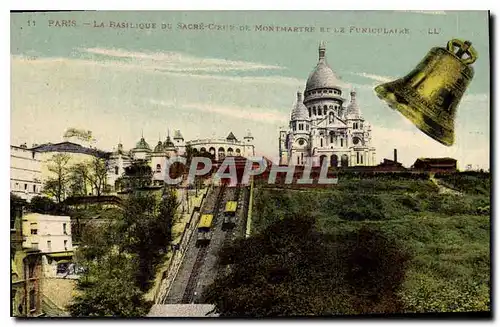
(298, 162)
(331, 138)
(357, 157)
(309, 111)
(314, 111)
(49, 246)
(325, 91)
(301, 127)
(321, 142)
(307, 127)
(302, 158)
(158, 168)
(330, 91)
(34, 232)
(341, 142)
(331, 107)
(25, 186)
(361, 157)
(116, 170)
(34, 188)
(65, 245)
(64, 229)
(34, 246)
(31, 270)
(32, 300)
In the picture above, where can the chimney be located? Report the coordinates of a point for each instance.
(395, 155)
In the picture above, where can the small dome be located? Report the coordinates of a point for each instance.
(142, 145)
(231, 137)
(168, 143)
(353, 111)
(299, 111)
(159, 147)
(322, 76)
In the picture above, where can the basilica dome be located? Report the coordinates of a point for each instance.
(300, 111)
(322, 76)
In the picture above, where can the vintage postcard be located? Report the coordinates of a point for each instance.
(250, 164)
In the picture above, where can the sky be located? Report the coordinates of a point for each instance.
(121, 83)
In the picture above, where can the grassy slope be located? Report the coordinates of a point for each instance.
(450, 242)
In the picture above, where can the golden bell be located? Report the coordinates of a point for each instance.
(429, 95)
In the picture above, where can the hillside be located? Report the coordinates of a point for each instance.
(447, 234)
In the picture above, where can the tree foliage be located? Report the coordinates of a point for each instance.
(137, 175)
(107, 289)
(298, 271)
(57, 185)
(120, 257)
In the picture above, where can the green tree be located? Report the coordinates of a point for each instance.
(57, 185)
(98, 172)
(78, 179)
(147, 229)
(299, 271)
(137, 175)
(42, 204)
(107, 289)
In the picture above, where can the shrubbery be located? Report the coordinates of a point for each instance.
(291, 269)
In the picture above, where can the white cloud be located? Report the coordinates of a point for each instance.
(155, 69)
(179, 62)
(476, 97)
(376, 78)
(262, 115)
(427, 12)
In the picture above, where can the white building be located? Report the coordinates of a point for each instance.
(25, 172)
(322, 127)
(29, 167)
(156, 157)
(49, 234)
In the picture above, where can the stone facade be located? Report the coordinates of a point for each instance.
(323, 127)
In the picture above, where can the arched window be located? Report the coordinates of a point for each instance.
(331, 117)
(158, 168)
(321, 141)
(341, 142)
(314, 110)
(331, 107)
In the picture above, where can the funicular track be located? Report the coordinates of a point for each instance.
(189, 292)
